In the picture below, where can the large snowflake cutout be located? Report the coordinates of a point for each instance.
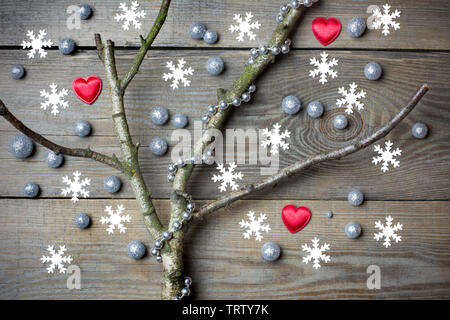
(254, 226)
(386, 156)
(351, 98)
(227, 177)
(386, 19)
(316, 253)
(178, 74)
(36, 44)
(130, 15)
(54, 99)
(56, 259)
(115, 219)
(275, 139)
(323, 67)
(76, 187)
(244, 27)
(388, 231)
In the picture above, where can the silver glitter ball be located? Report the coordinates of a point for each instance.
(315, 109)
(185, 292)
(66, 46)
(167, 235)
(159, 115)
(31, 189)
(420, 130)
(85, 11)
(136, 249)
(158, 244)
(186, 215)
(329, 214)
(340, 122)
(210, 36)
(236, 102)
(355, 197)
(291, 105)
(356, 27)
(215, 65)
(82, 128)
(352, 230)
(176, 225)
(82, 220)
(270, 251)
(373, 71)
(180, 120)
(17, 71)
(21, 146)
(112, 184)
(54, 160)
(197, 30)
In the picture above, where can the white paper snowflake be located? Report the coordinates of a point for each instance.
(316, 253)
(388, 231)
(54, 99)
(386, 156)
(76, 187)
(351, 98)
(130, 15)
(178, 74)
(244, 26)
(227, 177)
(36, 44)
(275, 139)
(56, 259)
(115, 219)
(323, 67)
(254, 226)
(386, 19)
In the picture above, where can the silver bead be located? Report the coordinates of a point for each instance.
(154, 252)
(193, 159)
(236, 102)
(186, 215)
(284, 8)
(223, 104)
(187, 281)
(288, 42)
(185, 292)
(420, 130)
(252, 88)
(246, 97)
(176, 225)
(170, 177)
(212, 109)
(307, 3)
(167, 235)
(205, 118)
(263, 49)
(251, 61)
(285, 49)
(190, 206)
(180, 162)
(295, 4)
(172, 168)
(158, 244)
(280, 18)
(176, 298)
(275, 50)
(158, 259)
(254, 52)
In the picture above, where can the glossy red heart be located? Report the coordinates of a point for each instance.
(87, 89)
(295, 219)
(326, 30)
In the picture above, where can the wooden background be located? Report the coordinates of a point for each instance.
(223, 264)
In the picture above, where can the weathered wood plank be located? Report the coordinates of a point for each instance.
(426, 160)
(223, 264)
(423, 26)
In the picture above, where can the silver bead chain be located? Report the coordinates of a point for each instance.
(294, 4)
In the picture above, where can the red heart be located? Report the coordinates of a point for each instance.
(326, 31)
(295, 219)
(87, 89)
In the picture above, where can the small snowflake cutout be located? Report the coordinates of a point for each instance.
(351, 98)
(56, 259)
(76, 187)
(54, 99)
(244, 27)
(254, 226)
(130, 15)
(115, 219)
(178, 74)
(227, 177)
(316, 253)
(275, 139)
(387, 156)
(323, 67)
(36, 44)
(388, 232)
(386, 19)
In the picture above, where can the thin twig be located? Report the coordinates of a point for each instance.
(82, 153)
(304, 164)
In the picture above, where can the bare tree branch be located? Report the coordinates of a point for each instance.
(304, 164)
(81, 153)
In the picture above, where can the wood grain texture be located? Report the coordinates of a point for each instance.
(222, 263)
(426, 160)
(423, 25)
